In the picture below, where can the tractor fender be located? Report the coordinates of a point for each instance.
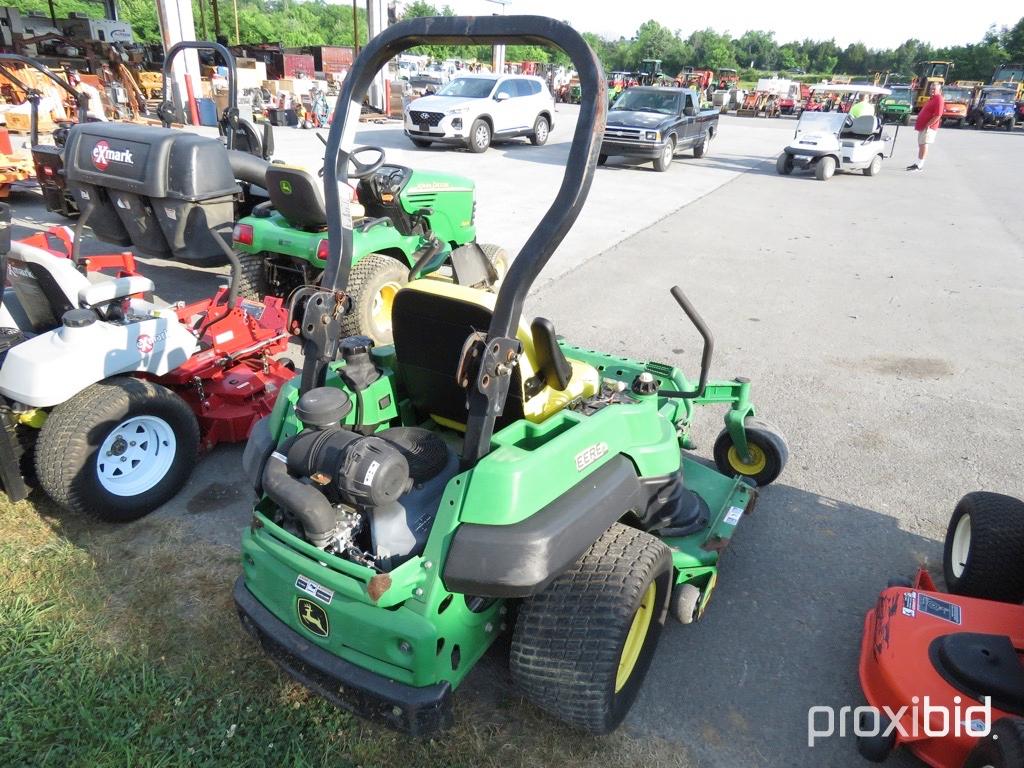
(52, 367)
(521, 559)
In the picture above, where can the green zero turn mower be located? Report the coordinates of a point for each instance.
(480, 475)
(398, 216)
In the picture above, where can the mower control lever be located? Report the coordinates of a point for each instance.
(429, 252)
(709, 346)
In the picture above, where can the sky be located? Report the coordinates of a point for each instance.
(877, 25)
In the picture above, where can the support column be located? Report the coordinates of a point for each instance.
(177, 24)
(377, 22)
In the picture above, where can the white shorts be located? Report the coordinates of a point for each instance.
(927, 136)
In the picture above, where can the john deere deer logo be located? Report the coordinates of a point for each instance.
(313, 617)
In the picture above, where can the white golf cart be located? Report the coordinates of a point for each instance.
(834, 141)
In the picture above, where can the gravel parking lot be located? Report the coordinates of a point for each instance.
(880, 321)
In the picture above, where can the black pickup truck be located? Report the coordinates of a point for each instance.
(656, 124)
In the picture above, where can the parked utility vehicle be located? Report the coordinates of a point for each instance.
(656, 124)
(995, 107)
(484, 475)
(833, 141)
(897, 106)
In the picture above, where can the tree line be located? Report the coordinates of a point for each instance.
(316, 22)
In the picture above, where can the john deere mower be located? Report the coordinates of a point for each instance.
(399, 217)
(482, 475)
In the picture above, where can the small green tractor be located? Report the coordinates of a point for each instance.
(398, 216)
(481, 475)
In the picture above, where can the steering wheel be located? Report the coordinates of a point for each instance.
(362, 170)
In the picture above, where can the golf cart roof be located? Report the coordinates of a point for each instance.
(874, 90)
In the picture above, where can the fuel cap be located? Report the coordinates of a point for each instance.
(78, 318)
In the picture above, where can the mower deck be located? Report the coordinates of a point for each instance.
(901, 663)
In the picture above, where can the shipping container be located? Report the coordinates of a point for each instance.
(295, 63)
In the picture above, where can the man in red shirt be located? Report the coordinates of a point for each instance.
(928, 121)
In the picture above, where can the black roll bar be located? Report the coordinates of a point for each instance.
(230, 116)
(501, 348)
(32, 94)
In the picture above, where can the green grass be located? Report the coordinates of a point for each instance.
(120, 646)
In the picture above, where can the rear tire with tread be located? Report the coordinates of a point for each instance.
(372, 276)
(69, 446)
(498, 257)
(993, 568)
(569, 639)
(252, 280)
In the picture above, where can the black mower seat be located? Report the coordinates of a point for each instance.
(296, 194)
(981, 665)
(431, 319)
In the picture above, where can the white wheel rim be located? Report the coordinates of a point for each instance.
(135, 456)
(481, 136)
(667, 155)
(961, 549)
(542, 130)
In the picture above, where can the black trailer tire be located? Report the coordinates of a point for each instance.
(541, 129)
(252, 278)
(704, 148)
(1002, 748)
(372, 284)
(479, 136)
(769, 450)
(664, 161)
(421, 143)
(984, 551)
(825, 168)
(581, 647)
(79, 475)
(784, 164)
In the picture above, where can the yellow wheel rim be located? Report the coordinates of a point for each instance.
(635, 638)
(382, 303)
(758, 460)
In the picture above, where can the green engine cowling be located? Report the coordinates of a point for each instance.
(452, 200)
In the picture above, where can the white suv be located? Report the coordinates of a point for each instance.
(473, 110)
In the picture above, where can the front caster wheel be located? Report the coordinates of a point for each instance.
(767, 453)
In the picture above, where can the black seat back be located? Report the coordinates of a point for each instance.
(297, 196)
(430, 331)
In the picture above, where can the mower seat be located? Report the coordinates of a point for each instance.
(297, 196)
(45, 286)
(431, 320)
(981, 665)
